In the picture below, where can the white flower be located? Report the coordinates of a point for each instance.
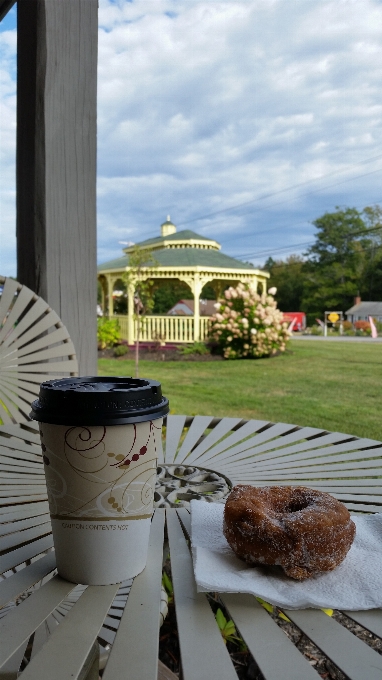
(244, 321)
(229, 339)
(253, 331)
(217, 305)
(272, 291)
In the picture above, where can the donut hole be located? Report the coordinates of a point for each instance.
(296, 506)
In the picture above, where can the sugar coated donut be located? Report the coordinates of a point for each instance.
(305, 531)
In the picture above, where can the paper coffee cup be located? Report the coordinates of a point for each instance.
(100, 438)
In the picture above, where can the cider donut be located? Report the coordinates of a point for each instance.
(306, 532)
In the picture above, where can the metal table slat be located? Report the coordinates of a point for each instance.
(328, 466)
(24, 433)
(139, 643)
(197, 427)
(174, 430)
(24, 536)
(323, 474)
(272, 440)
(260, 455)
(14, 585)
(370, 619)
(12, 448)
(325, 485)
(23, 511)
(76, 635)
(22, 621)
(20, 525)
(317, 456)
(263, 637)
(11, 668)
(234, 442)
(15, 500)
(15, 557)
(351, 655)
(219, 431)
(201, 644)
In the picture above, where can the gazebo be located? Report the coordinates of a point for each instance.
(186, 256)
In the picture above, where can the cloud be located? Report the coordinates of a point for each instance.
(203, 106)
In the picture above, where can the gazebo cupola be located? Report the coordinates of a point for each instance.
(167, 227)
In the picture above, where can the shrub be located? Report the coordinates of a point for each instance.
(121, 350)
(108, 332)
(316, 330)
(196, 348)
(347, 326)
(362, 327)
(247, 324)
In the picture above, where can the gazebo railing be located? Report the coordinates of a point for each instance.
(165, 328)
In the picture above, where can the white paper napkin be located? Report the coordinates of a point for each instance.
(354, 584)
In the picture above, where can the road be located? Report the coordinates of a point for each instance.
(336, 338)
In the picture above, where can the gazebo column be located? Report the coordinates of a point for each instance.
(197, 289)
(103, 299)
(130, 312)
(110, 286)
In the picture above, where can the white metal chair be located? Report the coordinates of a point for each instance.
(34, 346)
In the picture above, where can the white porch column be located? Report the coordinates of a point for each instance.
(130, 312)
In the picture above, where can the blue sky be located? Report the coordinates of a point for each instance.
(242, 120)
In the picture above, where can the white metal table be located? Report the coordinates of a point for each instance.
(50, 626)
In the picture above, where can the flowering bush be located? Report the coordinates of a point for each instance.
(362, 326)
(247, 324)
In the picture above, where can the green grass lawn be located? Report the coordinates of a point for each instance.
(336, 386)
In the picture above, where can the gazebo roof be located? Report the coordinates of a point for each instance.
(187, 237)
(183, 249)
(182, 257)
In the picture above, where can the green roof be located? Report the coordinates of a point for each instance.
(184, 257)
(184, 235)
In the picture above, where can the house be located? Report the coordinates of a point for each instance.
(362, 310)
(186, 308)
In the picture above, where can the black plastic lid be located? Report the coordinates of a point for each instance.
(99, 401)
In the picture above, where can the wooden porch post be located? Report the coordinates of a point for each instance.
(56, 162)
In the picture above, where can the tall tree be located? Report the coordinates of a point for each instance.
(371, 284)
(335, 263)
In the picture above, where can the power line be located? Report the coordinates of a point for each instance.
(290, 188)
(260, 233)
(315, 191)
(365, 250)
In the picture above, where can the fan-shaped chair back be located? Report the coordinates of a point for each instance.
(34, 346)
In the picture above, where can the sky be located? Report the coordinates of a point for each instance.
(243, 121)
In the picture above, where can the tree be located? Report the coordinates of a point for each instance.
(335, 263)
(168, 293)
(139, 280)
(371, 284)
(288, 278)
